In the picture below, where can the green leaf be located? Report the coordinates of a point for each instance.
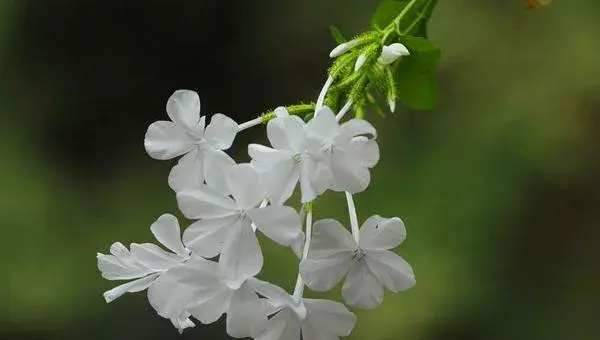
(386, 13)
(424, 55)
(337, 35)
(416, 85)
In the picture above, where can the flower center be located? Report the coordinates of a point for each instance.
(327, 146)
(357, 255)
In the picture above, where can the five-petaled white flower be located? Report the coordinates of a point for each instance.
(187, 135)
(206, 290)
(368, 264)
(292, 318)
(287, 162)
(146, 262)
(221, 215)
(347, 151)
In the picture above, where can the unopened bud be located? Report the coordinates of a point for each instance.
(360, 61)
(343, 48)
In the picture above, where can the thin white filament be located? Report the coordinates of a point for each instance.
(353, 217)
(321, 98)
(299, 289)
(344, 110)
(249, 124)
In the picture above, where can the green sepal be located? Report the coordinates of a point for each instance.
(337, 35)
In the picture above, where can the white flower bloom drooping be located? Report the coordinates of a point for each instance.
(368, 264)
(391, 53)
(344, 152)
(309, 319)
(145, 263)
(221, 215)
(187, 135)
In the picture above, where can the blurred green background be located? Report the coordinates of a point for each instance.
(499, 186)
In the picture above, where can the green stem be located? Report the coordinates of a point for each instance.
(396, 22)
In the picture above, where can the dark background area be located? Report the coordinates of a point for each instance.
(499, 186)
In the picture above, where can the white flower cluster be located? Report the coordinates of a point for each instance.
(211, 269)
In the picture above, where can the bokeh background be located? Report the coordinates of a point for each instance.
(499, 186)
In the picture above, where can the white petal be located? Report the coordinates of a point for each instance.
(205, 202)
(245, 186)
(298, 245)
(329, 257)
(246, 315)
(378, 233)
(352, 128)
(349, 174)
(281, 111)
(187, 174)
(362, 289)
(365, 149)
(287, 133)
(391, 269)
(323, 125)
(266, 156)
(119, 250)
(169, 297)
(207, 237)
(153, 257)
(217, 165)
(280, 223)
(241, 257)
(131, 287)
(183, 107)
(112, 268)
(322, 274)
(271, 291)
(182, 323)
(199, 273)
(321, 177)
(330, 237)
(391, 53)
(310, 332)
(283, 326)
(221, 132)
(330, 316)
(307, 170)
(281, 181)
(213, 306)
(167, 232)
(166, 140)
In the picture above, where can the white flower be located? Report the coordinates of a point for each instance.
(392, 52)
(146, 262)
(186, 135)
(204, 290)
(344, 152)
(368, 264)
(310, 319)
(287, 162)
(222, 215)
